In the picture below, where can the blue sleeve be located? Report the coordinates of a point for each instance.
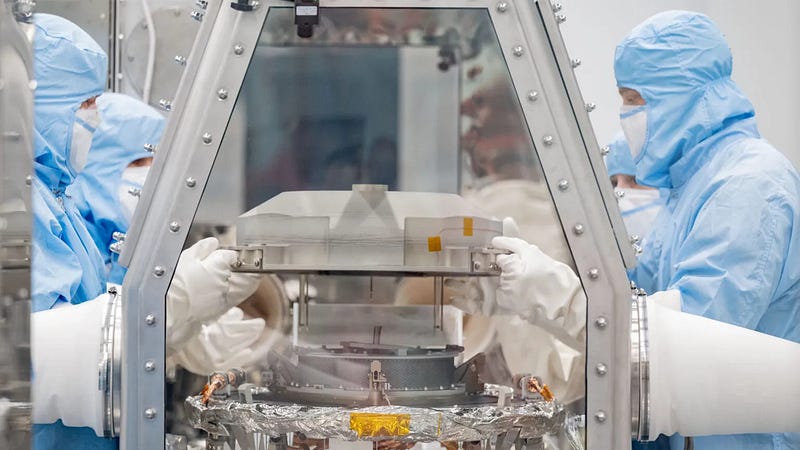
(55, 270)
(730, 262)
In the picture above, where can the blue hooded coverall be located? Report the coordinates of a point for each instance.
(729, 237)
(69, 68)
(126, 125)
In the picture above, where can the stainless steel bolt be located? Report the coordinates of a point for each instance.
(590, 107)
(560, 18)
(563, 185)
(28, 180)
(604, 150)
(601, 322)
(191, 182)
(575, 63)
(196, 15)
(557, 7)
(136, 192)
(502, 7)
(594, 273)
(150, 148)
(115, 247)
(600, 416)
(207, 138)
(150, 413)
(518, 50)
(601, 369)
(238, 49)
(150, 366)
(578, 229)
(150, 320)
(222, 94)
(158, 271)
(548, 140)
(174, 227)
(180, 60)
(165, 104)
(533, 96)
(118, 236)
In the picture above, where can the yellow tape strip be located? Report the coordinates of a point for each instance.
(468, 226)
(434, 244)
(375, 425)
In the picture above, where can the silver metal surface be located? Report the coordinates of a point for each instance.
(16, 149)
(109, 367)
(532, 419)
(220, 58)
(640, 367)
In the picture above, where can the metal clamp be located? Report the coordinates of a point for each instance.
(110, 364)
(640, 367)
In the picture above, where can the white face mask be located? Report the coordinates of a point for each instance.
(132, 177)
(634, 124)
(86, 122)
(639, 208)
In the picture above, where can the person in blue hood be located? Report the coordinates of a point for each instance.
(70, 72)
(68, 278)
(729, 239)
(117, 161)
(639, 205)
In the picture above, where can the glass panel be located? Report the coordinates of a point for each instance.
(421, 101)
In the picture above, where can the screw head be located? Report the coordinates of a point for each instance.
(548, 140)
(222, 94)
(561, 18)
(28, 180)
(180, 60)
(594, 273)
(575, 62)
(150, 148)
(518, 50)
(600, 416)
(150, 413)
(563, 185)
(557, 7)
(533, 96)
(578, 229)
(601, 369)
(158, 271)
(191, 182)
(502, 7)
(590, 107)
(238, 49)
(207, 138)
(174, 227)
(149, 366)
(604, 150)
(150, 320)
(601, 322)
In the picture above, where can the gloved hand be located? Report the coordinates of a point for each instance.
(541, 290)
(230, 341)
(203, 288)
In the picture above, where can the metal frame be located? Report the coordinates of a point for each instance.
(559, 125)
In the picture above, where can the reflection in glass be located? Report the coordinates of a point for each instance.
(418, 100)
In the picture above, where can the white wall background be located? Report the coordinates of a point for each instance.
(764, 37)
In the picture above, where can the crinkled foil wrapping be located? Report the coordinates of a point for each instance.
(534, 419)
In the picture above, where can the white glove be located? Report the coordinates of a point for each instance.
(203, 288)
(228, 342)
(65, 352)
(541, 290)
